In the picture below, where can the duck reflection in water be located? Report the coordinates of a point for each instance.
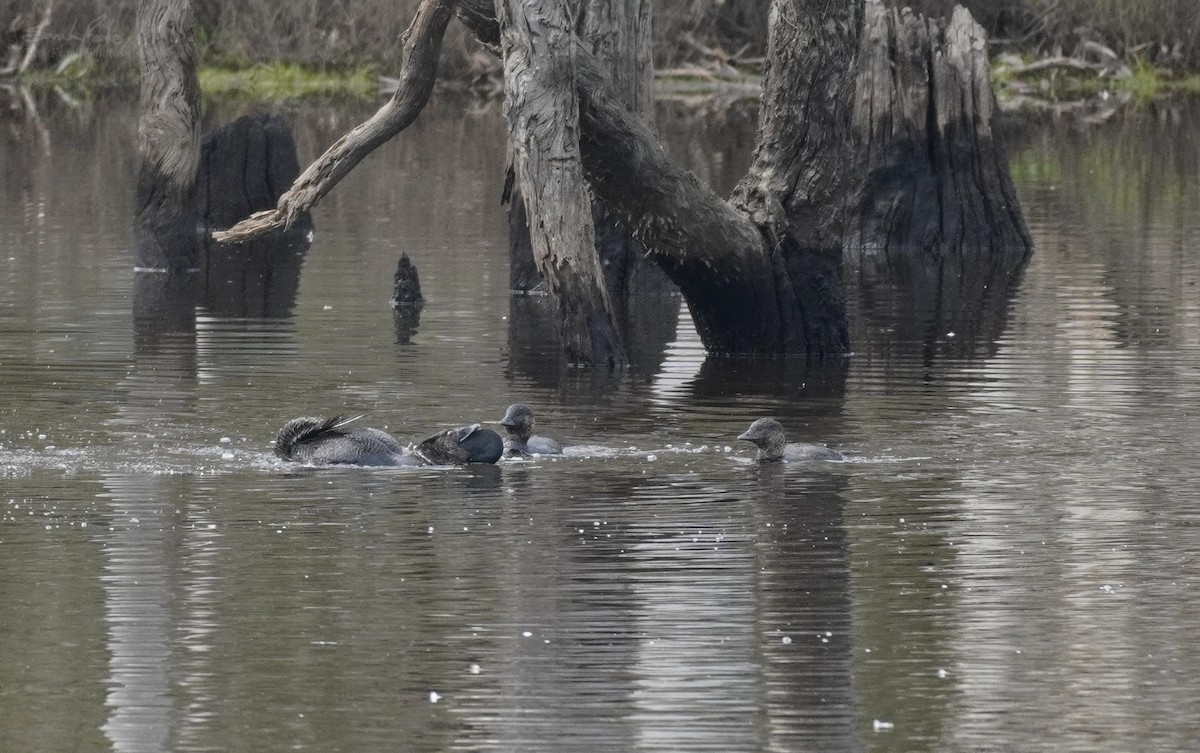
(521, 441)
(767, 434)
(331, 441)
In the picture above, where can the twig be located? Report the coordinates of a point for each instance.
(31, 50)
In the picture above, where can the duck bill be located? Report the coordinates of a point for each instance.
(746, 435)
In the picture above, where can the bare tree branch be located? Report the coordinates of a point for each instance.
(31, 50)
(421, 45)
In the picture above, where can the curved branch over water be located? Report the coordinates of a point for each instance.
(421, 45)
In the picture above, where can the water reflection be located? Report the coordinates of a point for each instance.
(1004, 562)
(139, 595)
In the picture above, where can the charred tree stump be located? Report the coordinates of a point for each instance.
(244, 167)
(937, 182)
(937, 240)
(407, 300)
(165, 226)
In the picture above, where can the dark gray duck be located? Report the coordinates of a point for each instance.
(518, 424)
(331, 441)
(767, 434)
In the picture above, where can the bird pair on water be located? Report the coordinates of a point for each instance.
(323, 441)
(332, 441)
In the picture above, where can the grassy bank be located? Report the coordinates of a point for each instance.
(268, 50)
(279, 81)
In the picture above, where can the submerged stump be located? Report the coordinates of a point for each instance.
(936, 179)
(936, 240)
(244, 167)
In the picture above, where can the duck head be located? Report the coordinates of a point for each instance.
(766, 434)
(465, 444)
(518, 420)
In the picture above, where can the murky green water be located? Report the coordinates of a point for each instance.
(1008, 562)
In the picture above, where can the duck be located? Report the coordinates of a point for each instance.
(331, 441)
(518, 424)
(767, 434)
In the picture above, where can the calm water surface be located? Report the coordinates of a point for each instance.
(1008, 562)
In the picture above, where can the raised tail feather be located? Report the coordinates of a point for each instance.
(307, 429)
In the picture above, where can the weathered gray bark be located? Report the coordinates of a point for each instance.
(937, 183)
(762, 272)
(541, 107)
(618, 34)
(937, 240)
(751, 286)
(165, 232)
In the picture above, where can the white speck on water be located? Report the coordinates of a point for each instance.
(327, 307)
(652, 457)
(787, 639)
(1106, 588)
(212, 526)
(474, 669)
(224, 440)
(527, 634)
(134, 520)
(941, 673)
(227, 456)
(881, 726)
(434, 697)
(430, 529)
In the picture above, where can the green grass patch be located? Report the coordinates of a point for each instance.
(282, 81)
(1144, 83)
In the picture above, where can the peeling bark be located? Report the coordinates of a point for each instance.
(762, 273)
(165, 235)
(542, 110)
(937, 183)
(937, 230)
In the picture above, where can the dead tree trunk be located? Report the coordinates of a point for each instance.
(937, 232)
(618, 33)
(762, 272)
(937, 183)
(542, 110)
(165, 232)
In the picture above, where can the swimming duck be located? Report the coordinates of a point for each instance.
(328, 441)
(767, 435)
(518, 421)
